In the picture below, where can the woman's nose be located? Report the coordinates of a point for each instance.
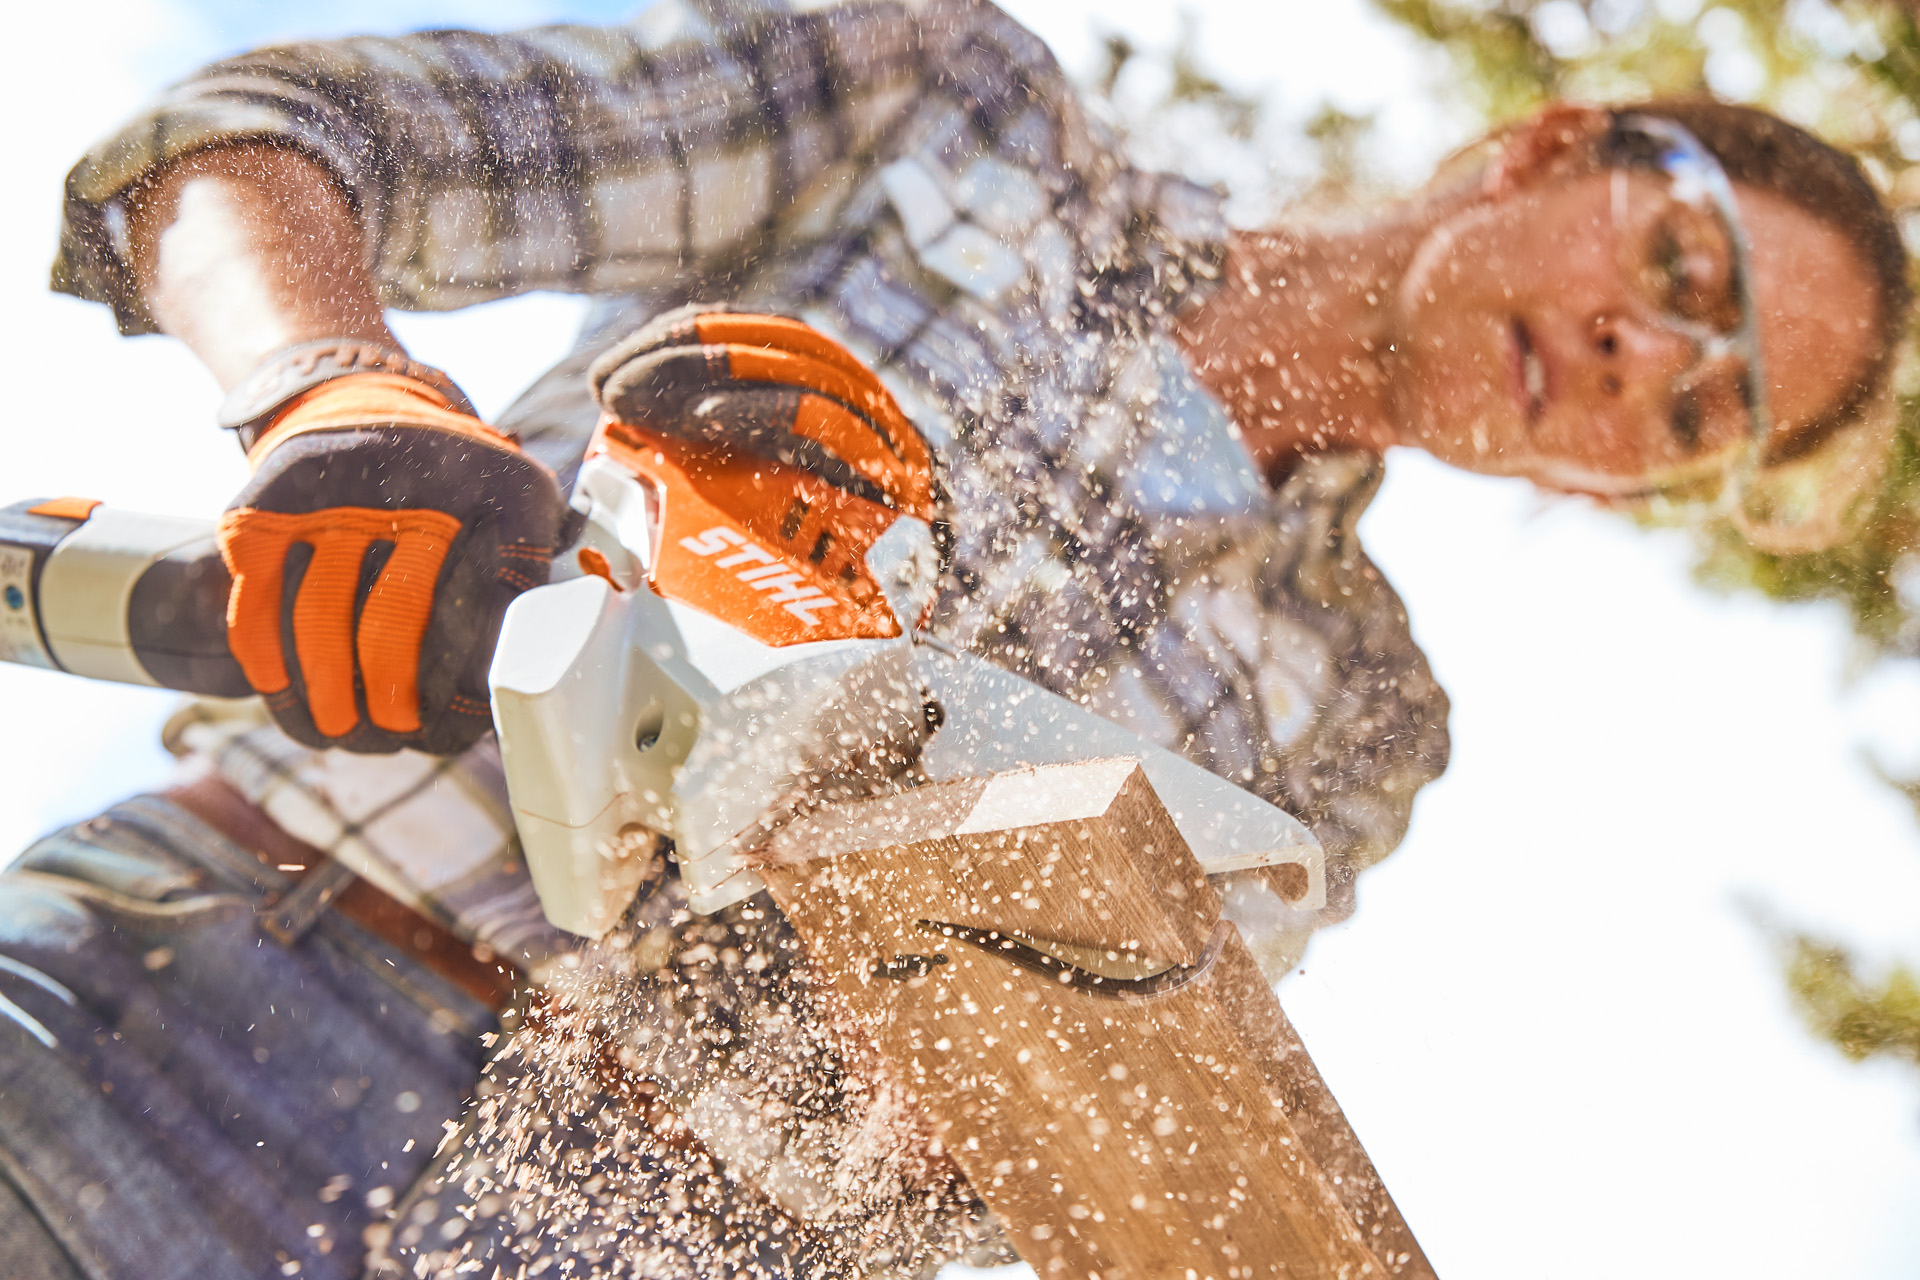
(1625, 351)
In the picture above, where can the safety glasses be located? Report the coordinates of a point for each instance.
(1684, 256)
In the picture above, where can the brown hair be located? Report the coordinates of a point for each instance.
(1767, 153)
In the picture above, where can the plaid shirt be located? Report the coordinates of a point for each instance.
(917, 178)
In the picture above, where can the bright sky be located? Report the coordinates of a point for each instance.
(1552, 1020)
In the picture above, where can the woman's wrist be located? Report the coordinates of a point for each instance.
(244, 251)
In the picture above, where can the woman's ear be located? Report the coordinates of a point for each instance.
(1550, 142)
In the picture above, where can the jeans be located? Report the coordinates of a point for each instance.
(182, 1097)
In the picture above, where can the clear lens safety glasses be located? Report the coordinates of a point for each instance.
(1684, 256)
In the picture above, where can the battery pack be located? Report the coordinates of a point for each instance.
(115, 595)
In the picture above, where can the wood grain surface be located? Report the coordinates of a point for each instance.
(1118, 1137)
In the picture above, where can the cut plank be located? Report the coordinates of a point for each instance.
(1270, 1041)
(1116, 1135)
(1106, 868)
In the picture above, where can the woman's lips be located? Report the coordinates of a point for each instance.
(1528, 370)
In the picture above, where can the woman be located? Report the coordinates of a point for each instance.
(1547, 320)
(1157, 437)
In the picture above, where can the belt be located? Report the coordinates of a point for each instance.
(322, 883)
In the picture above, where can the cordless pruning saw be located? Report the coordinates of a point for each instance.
(722, 643)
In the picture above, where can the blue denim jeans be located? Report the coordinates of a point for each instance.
(182, 1097)
(185, 1097)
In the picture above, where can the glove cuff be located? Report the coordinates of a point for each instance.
(360, 401)
(251, 407)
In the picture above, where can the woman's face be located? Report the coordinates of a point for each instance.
(1528, 336)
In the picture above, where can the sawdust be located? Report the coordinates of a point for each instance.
(683, 1100)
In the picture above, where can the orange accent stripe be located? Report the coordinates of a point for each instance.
(593, 562)
(254, 545)
(65, 508)
(396, 616)
(323, 619)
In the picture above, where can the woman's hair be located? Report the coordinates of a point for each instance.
(1767, 153)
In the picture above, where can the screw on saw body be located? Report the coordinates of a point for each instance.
(646, 734)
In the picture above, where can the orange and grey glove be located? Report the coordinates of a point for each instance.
(770, 387)
(376, 548)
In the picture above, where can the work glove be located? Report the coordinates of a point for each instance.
(376, 548)
(771, 387)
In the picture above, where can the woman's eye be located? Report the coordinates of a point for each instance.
(1669, 268)
(1675, 288)
(1683, 419)
(1688, 269)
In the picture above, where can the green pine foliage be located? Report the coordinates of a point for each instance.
(1862, 1018)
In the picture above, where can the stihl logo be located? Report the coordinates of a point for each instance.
(762, 572)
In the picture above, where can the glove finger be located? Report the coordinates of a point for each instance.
(705, 324)
(394, 621)
(863, 394)
(676, 328)
(254, 545)
(669, 389)
(779, 333)
(323, 614)
(840, 430)
(758, 420)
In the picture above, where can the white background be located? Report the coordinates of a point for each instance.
(1554, 1020)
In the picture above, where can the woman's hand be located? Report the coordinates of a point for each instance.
(373, 554)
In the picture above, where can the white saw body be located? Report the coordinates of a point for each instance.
(627, 718)
(621, 713)
(618, 709)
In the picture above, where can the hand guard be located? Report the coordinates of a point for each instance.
(373, 554)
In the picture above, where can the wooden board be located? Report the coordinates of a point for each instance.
(1116, 1135)
(1270, 1041)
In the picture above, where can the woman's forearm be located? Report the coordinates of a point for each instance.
(243, 251)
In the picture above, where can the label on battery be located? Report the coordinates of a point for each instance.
(19, 628)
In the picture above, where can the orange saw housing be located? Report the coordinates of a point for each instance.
(772, 550)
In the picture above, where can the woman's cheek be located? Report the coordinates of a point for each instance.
(1450, 401)
(1610, 439)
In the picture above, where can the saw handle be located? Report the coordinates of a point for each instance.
(116, 595)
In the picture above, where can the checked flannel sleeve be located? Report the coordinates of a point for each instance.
(582, 159)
